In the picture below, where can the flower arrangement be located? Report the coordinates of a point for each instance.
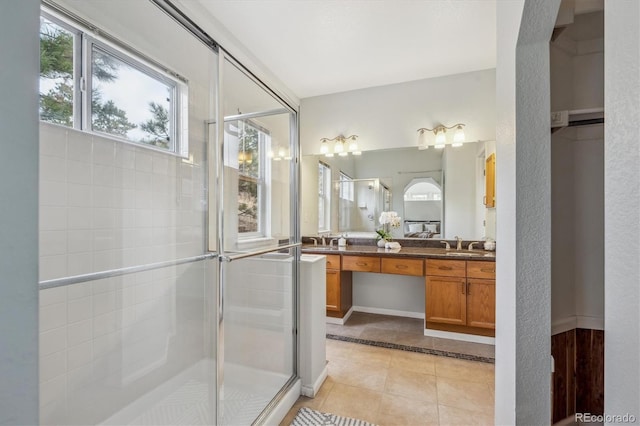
(387, 220)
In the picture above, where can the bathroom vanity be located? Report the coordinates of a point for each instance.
(459, 284)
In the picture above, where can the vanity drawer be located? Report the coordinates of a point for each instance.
(361, 263)
(446, 268)
(333, 261)
(479, 269)
(394, 265)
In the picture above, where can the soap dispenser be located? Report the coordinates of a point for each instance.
(342, 241)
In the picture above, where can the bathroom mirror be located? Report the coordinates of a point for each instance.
(457, 172)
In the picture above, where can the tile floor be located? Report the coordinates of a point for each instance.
(403, 331)
(393, 387)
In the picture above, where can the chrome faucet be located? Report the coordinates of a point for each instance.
(315, 241)
(331, 242)
(446, 245)
(471, 245)
(459, 243)
(324, 242)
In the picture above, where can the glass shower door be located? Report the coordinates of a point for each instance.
(258, 245)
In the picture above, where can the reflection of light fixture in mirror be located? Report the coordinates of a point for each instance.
(440, 133)
(282, 154)
(245, 157)
(342, 146)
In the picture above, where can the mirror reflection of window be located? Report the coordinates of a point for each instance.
(324, 197)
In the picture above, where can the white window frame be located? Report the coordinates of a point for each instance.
(324, 194)
(84, 41)
(264, 191)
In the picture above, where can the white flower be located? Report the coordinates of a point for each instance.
(390, 218)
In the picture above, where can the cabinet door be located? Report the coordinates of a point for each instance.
(445, 300)
(490, 181)
(481, 303)
(333, 290)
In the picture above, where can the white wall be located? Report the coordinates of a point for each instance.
(388, 116)
(19, 47)
(389, 293)
(622, 208)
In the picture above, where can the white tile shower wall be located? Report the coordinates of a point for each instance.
(105, 204)
(107, 342)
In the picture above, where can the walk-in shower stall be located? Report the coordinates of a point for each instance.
(169, 248)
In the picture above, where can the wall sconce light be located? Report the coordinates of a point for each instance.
(342, 146)
(440, 136)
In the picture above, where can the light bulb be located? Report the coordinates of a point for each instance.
(422, 139)
(281, 152)
(441, 139)
(338, 147)
(324, 147)
(353, 146)
(458, 136)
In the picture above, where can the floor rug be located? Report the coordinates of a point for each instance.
(309, 417)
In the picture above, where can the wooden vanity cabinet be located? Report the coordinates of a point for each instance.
(339, 288)
(490, 181)
(460, 296)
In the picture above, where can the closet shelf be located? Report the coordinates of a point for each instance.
(576, 117)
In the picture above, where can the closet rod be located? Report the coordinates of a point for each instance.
(586, 122)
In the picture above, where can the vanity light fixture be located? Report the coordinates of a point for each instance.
(440, 136)
(245, 157)
(342, 146)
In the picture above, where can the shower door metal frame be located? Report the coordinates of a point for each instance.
(294, 231)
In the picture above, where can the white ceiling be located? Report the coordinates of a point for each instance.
(318, 47)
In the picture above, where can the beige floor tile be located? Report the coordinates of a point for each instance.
(338, 349)
(452, 416)
(355, 373)
(371, 355)
(345, 330)
(412, 385)
(413, 361)
(351, 401)
(400, 411)
(464, 394)
(471, 371)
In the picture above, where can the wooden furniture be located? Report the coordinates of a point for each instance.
(459, 293)
(490, 181)
(339, 288)
(460, 296)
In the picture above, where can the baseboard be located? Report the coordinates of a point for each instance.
(311, 391)
(392, 312)
(576, 321)
(340, 321)
(284, 405)
(460, 336)
(590, 323)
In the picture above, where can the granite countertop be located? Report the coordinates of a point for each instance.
(424, 252)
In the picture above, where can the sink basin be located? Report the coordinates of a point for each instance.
(463, 253)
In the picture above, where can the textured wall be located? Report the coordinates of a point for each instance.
(622, 207)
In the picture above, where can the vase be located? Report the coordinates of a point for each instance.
(381, 242)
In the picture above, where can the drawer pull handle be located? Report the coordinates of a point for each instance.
(362, 264)
(401, 266)
(491, 270)
(462, 285)
(445, 268)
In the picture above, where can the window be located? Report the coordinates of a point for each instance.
(324, 197)
(346, 187)
(252, 169)
(109, 90)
